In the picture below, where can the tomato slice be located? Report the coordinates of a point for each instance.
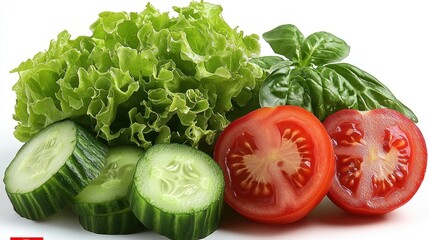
(381, 160)
(278, 163)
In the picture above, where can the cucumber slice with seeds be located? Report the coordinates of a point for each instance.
(108, 192)
(52, 168)
(177, 191)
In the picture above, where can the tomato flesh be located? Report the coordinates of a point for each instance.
(381, 159)
(252, 177)
(278, 163)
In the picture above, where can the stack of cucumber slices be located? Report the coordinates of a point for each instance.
(103, 206)
(172, 189)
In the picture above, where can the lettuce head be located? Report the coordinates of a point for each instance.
(143, 78)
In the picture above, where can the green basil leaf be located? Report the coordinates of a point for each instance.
(266, 62)
(321, 48)
(285, 40)
(328, 89)
(320, 92)
(316, 82)
(275, 89)
(371, 93)
(271, 63)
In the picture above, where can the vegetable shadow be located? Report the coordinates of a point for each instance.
(325, 214)
(328, 213)
(233, 222)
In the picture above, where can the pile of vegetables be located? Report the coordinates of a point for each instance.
(154, 121)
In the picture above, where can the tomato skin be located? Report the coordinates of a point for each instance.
(388, 155)
(274, 192)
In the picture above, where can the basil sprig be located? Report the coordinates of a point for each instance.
(311, 76)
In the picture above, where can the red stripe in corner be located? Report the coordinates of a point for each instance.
(26, 238)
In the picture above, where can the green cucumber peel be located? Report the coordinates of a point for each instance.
(118, 223)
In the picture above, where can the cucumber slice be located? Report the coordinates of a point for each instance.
(177, 191)
(108, 192)
(122, 222)
(52, 168)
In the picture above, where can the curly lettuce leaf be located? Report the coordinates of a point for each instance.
(143, 78)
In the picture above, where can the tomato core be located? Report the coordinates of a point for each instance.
(386, 158)
(292, 159)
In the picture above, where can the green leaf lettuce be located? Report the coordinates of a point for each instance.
(143, 78)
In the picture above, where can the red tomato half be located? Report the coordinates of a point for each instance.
(381, 160)
(278, 163)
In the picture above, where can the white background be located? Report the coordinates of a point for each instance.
(389, 39)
